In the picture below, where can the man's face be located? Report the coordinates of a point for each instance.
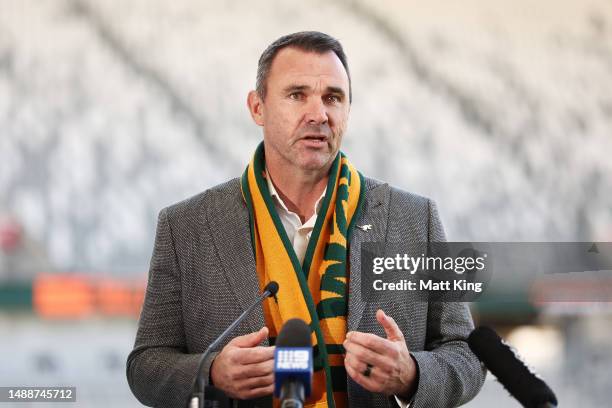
(305, 111)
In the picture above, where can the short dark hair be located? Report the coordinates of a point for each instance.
(312, 41)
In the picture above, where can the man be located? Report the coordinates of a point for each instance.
(293, 218)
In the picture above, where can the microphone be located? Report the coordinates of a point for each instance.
(197, 397)
(524, 385)
(293, 364)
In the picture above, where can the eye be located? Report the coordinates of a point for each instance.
(296, 96)
(333, 99)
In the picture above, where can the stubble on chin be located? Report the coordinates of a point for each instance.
(314, 161)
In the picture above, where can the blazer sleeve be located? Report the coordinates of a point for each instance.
(160, 371)
(449, 373)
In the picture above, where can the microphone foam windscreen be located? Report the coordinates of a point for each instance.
(294, 333)
(271, 288)
(511, 372)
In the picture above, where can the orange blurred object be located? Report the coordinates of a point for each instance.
(80, 296)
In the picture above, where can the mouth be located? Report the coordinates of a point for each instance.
(315, 138)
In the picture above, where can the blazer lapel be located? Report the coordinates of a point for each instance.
(373, 214)
(229, 221)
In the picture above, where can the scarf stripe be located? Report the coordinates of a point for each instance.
(321, 279)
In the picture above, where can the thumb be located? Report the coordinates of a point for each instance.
(391, 329)
(251, 339)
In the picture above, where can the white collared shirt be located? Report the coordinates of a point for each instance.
(298, 233)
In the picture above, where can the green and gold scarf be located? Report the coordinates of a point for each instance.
(315, 291)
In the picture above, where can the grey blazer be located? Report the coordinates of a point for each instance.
(202, 276)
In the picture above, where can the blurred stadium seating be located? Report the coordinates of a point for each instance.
(500, 111)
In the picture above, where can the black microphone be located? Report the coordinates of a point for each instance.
(293, 364)
(198, 395)
(524, 385)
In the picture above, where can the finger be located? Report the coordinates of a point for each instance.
(366, 382)
(259, 392)
(257, 382)
(376, 373)
(372, 342)
(253, 355)
(366, 356)
(391, 329)
(256, 370)
(251, 339)
(383, 372)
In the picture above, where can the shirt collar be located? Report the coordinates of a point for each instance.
(280, 203)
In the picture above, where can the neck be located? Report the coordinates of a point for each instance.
(299, 190)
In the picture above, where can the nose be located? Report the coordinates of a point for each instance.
(316, 112)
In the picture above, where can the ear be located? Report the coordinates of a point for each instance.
(256, 108)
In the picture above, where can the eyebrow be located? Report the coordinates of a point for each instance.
(329, 89)
(336, 90)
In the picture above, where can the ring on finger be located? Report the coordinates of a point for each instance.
(368, 370)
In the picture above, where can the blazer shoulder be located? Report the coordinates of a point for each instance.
(198, 203)
(403, 197)
(373, 184)
(395, 195)
(419, 212)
